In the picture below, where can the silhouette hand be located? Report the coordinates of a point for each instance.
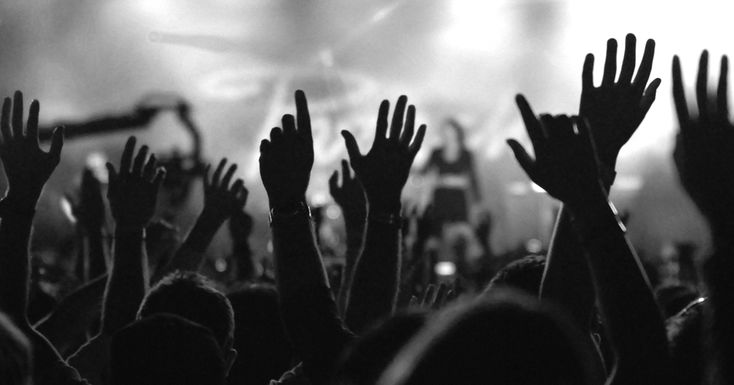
(350, 195)
(222, 200)
(565, 164)
(90, 210)
(704, 149)
(615, 110)
(26, 165)
(133, 191)
(384, 170)
(286, 159)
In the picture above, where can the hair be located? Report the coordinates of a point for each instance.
(364, 361)
(506, 338)
(190, 295)
(454, 124)
(15, 354)
(525, 274)
(166, 349)
(264, 351)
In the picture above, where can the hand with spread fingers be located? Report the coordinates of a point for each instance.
(704, 148)
(133, 190)
(565, 163)
(614, 110)
(287, 157)
(27, 166)
(384, 170)
(349, 195)
(221, 199)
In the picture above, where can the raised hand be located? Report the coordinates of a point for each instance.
(565, 163)
(286, 159)
(26, 165)
(133, 190)
(220, 199)
(350, 195)
(704, 149)
(384, 170)
(614, 110)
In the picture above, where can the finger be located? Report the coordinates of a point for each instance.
(407, 134)
(418, 141)
(649, 96)
(32, 125)
(237, 186)
(397, 118)
(264, 146)
(413, 301)
(334, 183)
(381, 128)
(352, 147)
(532, 125)
(111, 173)
(18, 114)
(562, 125)
(610, 65)
(244, 193)
(127, 155)
(5, 121)
(218, 172)
(428, 295)
(643, 73)
(276, 135)
(150, 167)
(346, 173)
(207, 181)
(702, 86)
(526, 162)
(679, 95)
(228, 176)
(303, 117)
(628, 61)
(140, 160)
(160, 175)
(289, 125)
(57, 142)
(587, 75)
(722, 96)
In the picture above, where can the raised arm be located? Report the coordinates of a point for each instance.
(704, 158)
(220, 201)
(383, 172)
(90, 215)
(308, 308)
(350, 198)
(27, 168)
(132, 193)
(566, 166)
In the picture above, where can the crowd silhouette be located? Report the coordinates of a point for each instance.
(584, 312)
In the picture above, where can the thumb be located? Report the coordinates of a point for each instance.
(352, 147)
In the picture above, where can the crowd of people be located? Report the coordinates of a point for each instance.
(583, 313)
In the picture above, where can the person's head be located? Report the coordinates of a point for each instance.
(504, 337)
(363, 362)
(524, 274)
(190, 295)
(15, 354)
(453, 133)
(165, 349)
(264, 351)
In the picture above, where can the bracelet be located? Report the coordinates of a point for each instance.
(289, 212)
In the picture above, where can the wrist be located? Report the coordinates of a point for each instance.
(384, 206)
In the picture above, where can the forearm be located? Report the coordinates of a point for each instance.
(718, 273)
(374, 286)
(97, 253)
(128, 280)
(567, 279)
(355, 244)
(632, 317)
(15, 232)
(190, 254)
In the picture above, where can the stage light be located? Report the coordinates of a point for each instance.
(445, 268)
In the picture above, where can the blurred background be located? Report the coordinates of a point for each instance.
(237, 63)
